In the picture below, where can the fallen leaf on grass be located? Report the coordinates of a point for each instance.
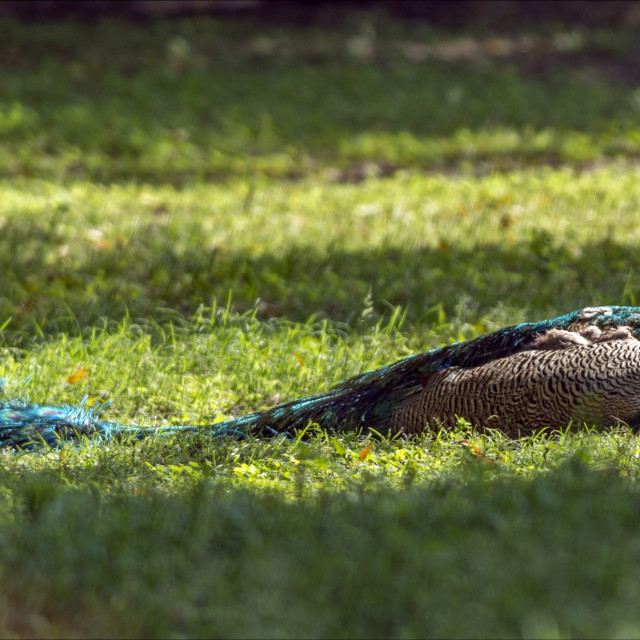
(476, 451)
(96, 398)
(364, 453)
(78, 375)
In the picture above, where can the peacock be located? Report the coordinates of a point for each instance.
(583, 367)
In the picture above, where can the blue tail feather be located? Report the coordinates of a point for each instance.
(364, 401)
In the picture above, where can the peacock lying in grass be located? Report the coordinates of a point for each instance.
(583, 367)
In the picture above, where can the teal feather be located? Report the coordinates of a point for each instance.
(362, 402)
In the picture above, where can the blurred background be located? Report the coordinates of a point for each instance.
(475, 160)
(445, 12)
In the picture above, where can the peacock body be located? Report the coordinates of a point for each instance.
(581, 367)
(596, 383)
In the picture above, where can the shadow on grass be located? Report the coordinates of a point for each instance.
(537, 276)
(207, 99)
(210, 562)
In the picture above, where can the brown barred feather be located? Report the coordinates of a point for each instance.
(565, 379)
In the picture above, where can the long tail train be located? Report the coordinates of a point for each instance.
(378, 399)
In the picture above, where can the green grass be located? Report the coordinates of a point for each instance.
(475, 557)
(311, 247)
(212, 216)
(209, 99)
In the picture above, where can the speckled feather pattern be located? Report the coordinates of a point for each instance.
(373, 399)
(594, 383)
(583, 366)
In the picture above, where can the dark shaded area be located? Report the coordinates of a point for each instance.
(138, 280)
(421, 563)
(451, 13)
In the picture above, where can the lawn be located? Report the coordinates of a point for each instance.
(203, 217)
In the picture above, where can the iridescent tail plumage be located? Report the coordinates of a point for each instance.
(26, 424)
(384, 399)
